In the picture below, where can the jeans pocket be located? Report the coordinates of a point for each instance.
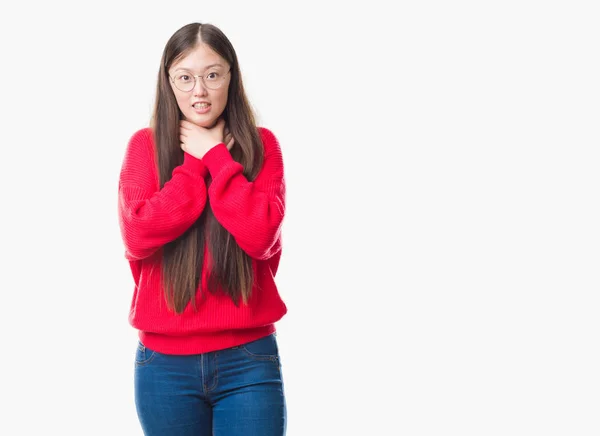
(262, 349)
(143, 355)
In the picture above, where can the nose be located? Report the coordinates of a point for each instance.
(199, 88)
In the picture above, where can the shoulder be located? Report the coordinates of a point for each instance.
(265, 133)
(269, 140)
(139, 149)
(141, 142)
(141, 136)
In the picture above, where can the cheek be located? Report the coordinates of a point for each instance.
(182, 102)
(221, 101)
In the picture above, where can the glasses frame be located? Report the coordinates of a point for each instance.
(195, 77)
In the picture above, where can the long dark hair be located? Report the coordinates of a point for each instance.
(183, 258)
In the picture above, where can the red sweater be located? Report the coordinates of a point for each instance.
(150, 217)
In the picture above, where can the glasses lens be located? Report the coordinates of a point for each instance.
(214, 79)
(184, 81)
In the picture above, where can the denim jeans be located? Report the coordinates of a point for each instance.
(236, 391)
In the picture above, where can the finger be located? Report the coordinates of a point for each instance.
(183, 147)
(230, 143)
(184, 124)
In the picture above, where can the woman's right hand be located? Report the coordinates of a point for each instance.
(197, 140)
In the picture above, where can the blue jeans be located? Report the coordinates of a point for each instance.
(236, 391)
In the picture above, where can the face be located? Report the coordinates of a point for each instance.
(201, 105)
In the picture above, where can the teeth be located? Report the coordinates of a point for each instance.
(201, 105)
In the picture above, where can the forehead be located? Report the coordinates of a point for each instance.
(199, 59)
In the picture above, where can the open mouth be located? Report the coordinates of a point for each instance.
(201, 105)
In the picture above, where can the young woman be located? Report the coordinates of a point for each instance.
(201, 205)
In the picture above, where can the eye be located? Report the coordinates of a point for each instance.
(212, 75)
(183, 77)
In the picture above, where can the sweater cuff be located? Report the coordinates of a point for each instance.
(195, 165)
(217, 157)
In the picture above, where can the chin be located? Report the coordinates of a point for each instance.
(200, 120)
(207, 121)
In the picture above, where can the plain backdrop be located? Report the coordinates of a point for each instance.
(441, 241)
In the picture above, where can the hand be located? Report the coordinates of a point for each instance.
(197, 140)
(229, 139)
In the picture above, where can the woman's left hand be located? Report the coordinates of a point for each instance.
(228, 138)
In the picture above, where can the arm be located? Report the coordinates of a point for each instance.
(149, 217)
(252, 212)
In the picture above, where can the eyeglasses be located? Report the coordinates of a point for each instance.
(186, 81)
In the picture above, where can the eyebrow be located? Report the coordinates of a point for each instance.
(205, 68)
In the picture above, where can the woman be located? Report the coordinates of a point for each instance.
(201, 205)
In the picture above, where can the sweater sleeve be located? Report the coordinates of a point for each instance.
(252, 212)
(150, 217)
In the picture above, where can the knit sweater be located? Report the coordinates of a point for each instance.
(150, 217)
